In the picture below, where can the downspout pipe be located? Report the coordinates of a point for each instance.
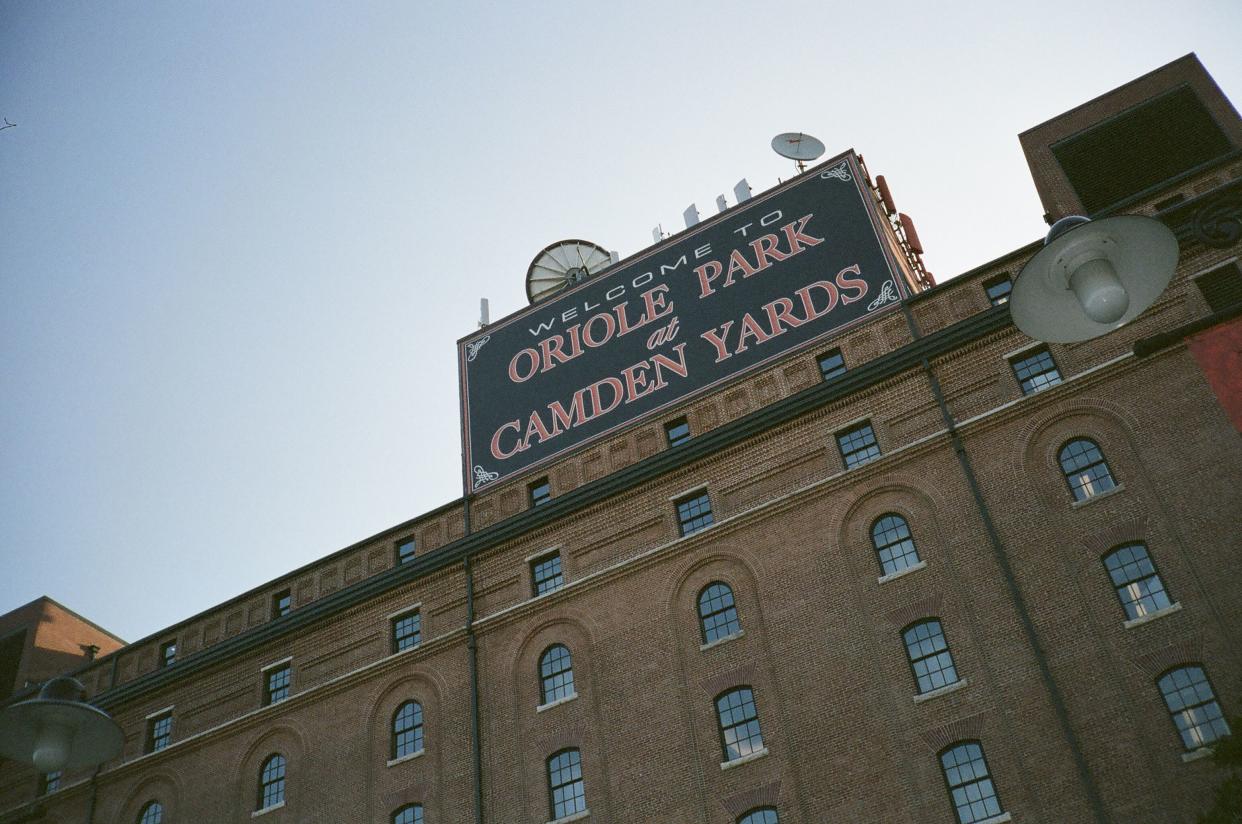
(472, 648)
(1011, 585)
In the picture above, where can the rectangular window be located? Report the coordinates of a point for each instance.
(159, 731)
(49, 782)
(694, 513)
(276, 688)
(546, 573)
(998, 289)
(405, 550)
(168, 653)
(282, 603)
(407, 630)
(540, 492)
(1035, 370)
(832, 364)
(858, 445)
(1221, 287)
(677, 432)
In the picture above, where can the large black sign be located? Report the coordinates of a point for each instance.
(769, 276)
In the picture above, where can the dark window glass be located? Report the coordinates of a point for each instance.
(717, 612)
(159, 732)
(49, 782)
(152, 813)
(1192, 703)
(546, 573)
(1137, 581)
(405, 550)
(1085, 469)
(1140, 148)
(998, 289)
(858, 445)
(694, 513)
(407, 631)
(409, 814)
(739, 724)
(970, 784)
(272, 782)
(168, 653)
(832, 364)
(277, 684)
(540, 492)
(930, 659)
(407, 729)
(1035, 370)
(11, 649)
(678, 431)
(282, 603)
(894, 545)
(1221, 287)
(566, 792)
(556, 673)
(763, 815)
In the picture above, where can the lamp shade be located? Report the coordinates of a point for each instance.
(1093, 276)
(59, 730)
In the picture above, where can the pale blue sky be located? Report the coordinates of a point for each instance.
(239, 240)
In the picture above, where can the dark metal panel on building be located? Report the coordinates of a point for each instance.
(773, 275)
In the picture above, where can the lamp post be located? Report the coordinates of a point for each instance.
(59, 730)
(1092, 276)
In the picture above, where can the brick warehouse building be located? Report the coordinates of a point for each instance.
(925, 569)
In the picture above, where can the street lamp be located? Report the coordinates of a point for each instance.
(1092, 276)
(59, 730)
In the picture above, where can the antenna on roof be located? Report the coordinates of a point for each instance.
(798, 147)
(741, 191)
(721, 203)
(691, 215)
(484, 318)
(657, 233)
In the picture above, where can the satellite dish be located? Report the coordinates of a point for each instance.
(798, 147)
(563, 264)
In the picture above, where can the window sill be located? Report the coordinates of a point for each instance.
(1098, 496)
(1195, 755)
(936, 693)
(745, 759)
(556, 703)
(1176, 606)
(893, 576)
(996, 819)
(574, 817)
(267, 810)
(733, 636)
(392, 762)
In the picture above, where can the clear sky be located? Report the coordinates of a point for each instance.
(238, 241)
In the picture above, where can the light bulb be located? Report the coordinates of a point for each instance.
(1099, 291)
(51, 749)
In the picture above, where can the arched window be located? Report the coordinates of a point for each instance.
(1192, 703)
(1085, 469)
(1136, 580)
(409, 814)
(566, 792)
(717, 612)
(970, 784)
(930, 658)
(152, 813)
(739, 723)
(761, 815)
(407, 729)
(556, 673)
(272, 782)
(893, 543)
